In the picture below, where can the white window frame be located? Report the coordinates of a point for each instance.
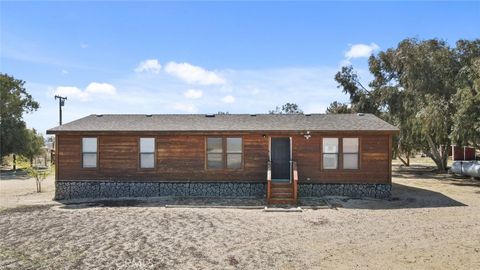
(221, 153)
(227, 153)
(89, 152)
(336, 153)
(140, 153)
(357, 153)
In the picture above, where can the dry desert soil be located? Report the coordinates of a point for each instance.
(431, 222)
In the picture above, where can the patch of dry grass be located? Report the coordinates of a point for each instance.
(421, 161)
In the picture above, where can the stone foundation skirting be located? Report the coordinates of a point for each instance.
(380, 191)
(66, 190)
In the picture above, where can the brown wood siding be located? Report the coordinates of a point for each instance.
(373, 160)
(182, 157)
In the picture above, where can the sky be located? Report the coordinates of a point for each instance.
(204, 57)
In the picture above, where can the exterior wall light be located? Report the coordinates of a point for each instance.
(307, 135)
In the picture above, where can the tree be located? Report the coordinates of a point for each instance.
(466, 121)
(39, 174)
(360, 97)
(417, 86)
(374, 100)
(287, 108)
(466, 128)
(14, 101)
(33, 144)
(338, 107)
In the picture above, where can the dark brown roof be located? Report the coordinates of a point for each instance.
(226, 122)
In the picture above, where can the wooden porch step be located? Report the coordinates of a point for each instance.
(282, 195)
(275, 189)
(282, 188)
(282, 185)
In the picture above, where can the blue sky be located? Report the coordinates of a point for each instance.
(205, 57)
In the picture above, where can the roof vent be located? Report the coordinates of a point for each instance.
(148, 115)
(253, 115)
(360, 114)
(99, 115)
(209, 115)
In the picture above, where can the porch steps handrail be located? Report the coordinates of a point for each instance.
(295, 179)
(269, 179)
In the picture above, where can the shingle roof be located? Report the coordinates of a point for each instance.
(226, 122)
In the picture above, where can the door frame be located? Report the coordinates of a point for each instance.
(291, 150)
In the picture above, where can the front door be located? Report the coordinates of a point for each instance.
(280, 158)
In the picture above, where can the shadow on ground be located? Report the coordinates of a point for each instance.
(402, 197)
(14, 175)
(426, 172)
(233, 203)
(165, 202)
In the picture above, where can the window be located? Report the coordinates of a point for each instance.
(224, 153)
(215, 153)
(350, 153)
(147, 153)
(234, 153)
(89, 152)
(330, 153)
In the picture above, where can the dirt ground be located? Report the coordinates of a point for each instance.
(431, 222)
(18, 189)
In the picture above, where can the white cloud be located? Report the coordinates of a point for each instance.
(101, 88)
(193, 94)
(149, 65)
(193, 74)
(361, 50)
(93, 89)
(228, 99)
(183, 107)
(71, 91)
(64, 72)
(84, 45)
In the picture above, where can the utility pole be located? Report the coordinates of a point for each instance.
(61, 103)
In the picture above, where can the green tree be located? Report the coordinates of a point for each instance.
(338, 107)
(414, 88)
(466, 128)
(361, 98)
(14, 101)
(466, 121)
(33, 144)
(287, 108)
(39, 174)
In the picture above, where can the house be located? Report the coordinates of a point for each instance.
(277, 156)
